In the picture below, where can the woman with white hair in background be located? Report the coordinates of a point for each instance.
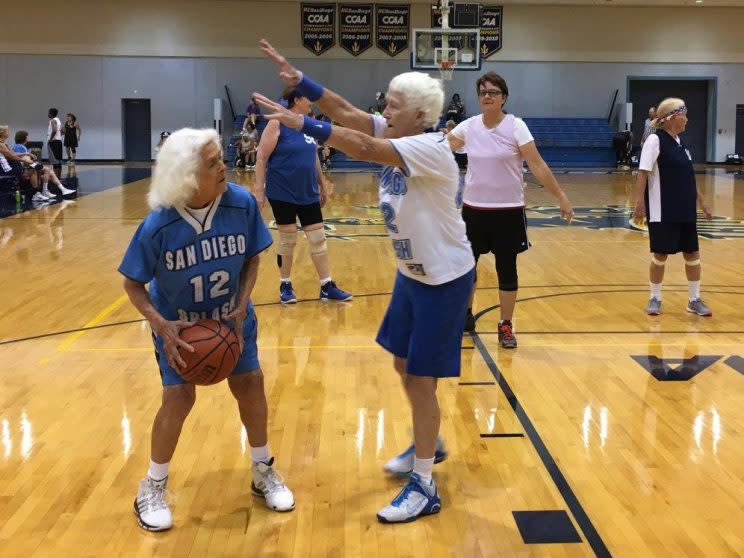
(666, 196)
(198, 249)
(420, 202)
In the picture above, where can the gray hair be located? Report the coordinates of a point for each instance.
(421, 91)
(174, 178)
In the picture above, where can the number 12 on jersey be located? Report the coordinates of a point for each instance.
(217, 282)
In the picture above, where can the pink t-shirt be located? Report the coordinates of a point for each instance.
(494, 178)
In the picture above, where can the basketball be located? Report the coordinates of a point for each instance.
(216, 352)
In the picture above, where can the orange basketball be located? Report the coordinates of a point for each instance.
(216, 352)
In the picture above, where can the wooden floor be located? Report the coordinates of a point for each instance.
(642, 467)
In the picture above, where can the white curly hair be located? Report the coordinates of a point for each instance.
(421, 91)
(174, 178)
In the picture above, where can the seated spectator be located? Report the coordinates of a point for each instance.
(253, 113)
(381, 101)
(455, 109)
(46, 174)
(13, 165)
(246, 148)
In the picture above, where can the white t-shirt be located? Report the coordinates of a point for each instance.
(649, 155)
(421, 206)
(58, 135)
(494, 178)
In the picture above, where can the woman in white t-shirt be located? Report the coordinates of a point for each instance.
(493, 207)
(54, 138)
(420, 202)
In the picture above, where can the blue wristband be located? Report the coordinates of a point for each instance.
(317, 129)
(309, 89)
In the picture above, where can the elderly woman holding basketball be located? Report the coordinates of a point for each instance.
(419, 199)
(198, 250)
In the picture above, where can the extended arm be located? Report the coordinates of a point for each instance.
(545, 177)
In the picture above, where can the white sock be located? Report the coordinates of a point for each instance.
(45, 188)
(324, 281)
(423, 467)
(157, 471)
(693, 288)
(283, 280)
(260, 454)
(656, 290)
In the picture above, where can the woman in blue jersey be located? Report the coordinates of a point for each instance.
(288, 173)
(420, 201)
(198, 253)
(667, 196)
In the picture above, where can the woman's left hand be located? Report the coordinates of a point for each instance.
(278, 112)
(237, 316)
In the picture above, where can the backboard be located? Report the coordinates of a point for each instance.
(465, 41)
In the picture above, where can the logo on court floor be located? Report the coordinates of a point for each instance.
(619, 217)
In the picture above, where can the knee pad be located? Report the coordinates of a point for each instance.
(692, 263)
(660, 263)
(286, 246)
(317, 240)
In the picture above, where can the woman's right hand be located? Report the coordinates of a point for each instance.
(287, 73)
(169, 331)
(639, 213)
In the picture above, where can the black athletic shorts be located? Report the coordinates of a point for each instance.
(286, 213)
(670, 238)
(501, 231)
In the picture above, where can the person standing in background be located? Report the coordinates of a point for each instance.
(73, 132)
(54, 139)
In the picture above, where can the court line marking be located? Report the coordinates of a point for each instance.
(582, 519)
(92, 323)
(276, 304)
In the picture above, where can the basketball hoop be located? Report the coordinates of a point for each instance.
(446, 67)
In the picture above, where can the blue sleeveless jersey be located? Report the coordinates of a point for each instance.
(290, 174)
(193, 268)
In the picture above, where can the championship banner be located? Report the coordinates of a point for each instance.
(491, 18)
(318, 27)
(355, 27)
(393, 27)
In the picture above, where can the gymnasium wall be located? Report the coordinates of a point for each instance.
(559, 61)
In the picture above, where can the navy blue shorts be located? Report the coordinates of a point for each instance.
(247, 362)
(424, 324)
(670, 238)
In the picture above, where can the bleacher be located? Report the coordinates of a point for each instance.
(573, 142)
(563, 142)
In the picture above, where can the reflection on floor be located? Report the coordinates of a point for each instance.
(84, 179)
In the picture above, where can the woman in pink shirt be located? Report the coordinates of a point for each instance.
(493, 202)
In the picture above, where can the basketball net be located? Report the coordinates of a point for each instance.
(446, 68)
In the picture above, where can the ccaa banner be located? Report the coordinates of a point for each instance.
(318, 27)
(355, 27)
(393, 27)
(491, 18)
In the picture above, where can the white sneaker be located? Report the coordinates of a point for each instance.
(417, 499)
(65, 191)
(150, 507)
(269, 485)
(39, 197)
(402, 464)
(48, 195)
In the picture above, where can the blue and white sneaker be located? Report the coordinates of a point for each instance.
(286, 293)
(403, 464)
(415, 500)
(330, 291)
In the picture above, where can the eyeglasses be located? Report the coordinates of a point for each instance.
(493, 93)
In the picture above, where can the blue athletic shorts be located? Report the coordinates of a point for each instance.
(424, 324)
(247, 362)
